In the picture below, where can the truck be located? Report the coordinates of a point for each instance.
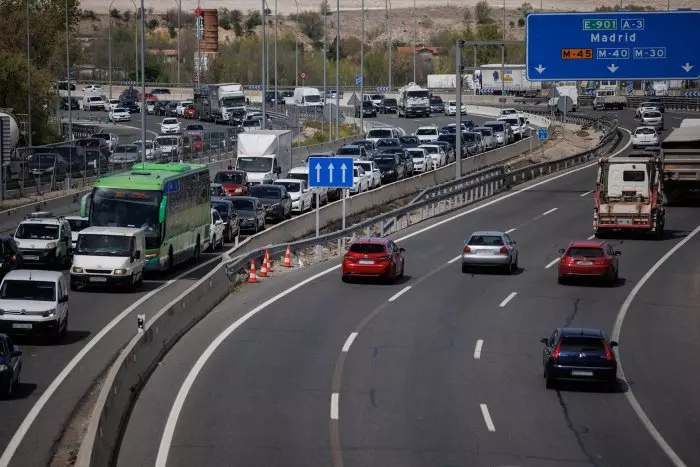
(629, 196)
(221, 103)
(681, 154)
(564, 91)
(607, 99)
(414, 101)
(514, 80)
(264, 154)
(450, 82)
(307, 97)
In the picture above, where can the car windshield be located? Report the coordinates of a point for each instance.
(416, 154)
(495, 127)
(579, 252)
(436, 100)
(260, 191)
(299, 176)
(386, 143)
(128, 208)
(163, 141)
(234, 178)
(365, 165)
(255, 164)
(652, 115)
(37, 231)
(28, 290)
(118, 110)
(221, 208)
(348, 151)
(426, 131)
(645, 131)
(76, 225)
(389, 101)
(103, 136)
(194, 128)
(291, 187)
(409, 140)
(385, 161)
(469, 137)
(431, 149)
(367, 248)
(104, 245)
(580, 344)
(485, 131)
(485, 240)
(379, 133)
(47, 159)
(127, 148)
(243, 204)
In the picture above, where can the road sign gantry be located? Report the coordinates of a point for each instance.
(613, 45)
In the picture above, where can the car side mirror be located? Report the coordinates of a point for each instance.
(137, 255)
(63, 299)
(618, 253)
(614, 344)
(278, 170)
(544, 340)
(562, 251)
(402, 250)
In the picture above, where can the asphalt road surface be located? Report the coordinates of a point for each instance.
(442, 368)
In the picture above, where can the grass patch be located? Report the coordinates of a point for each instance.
(311, 129)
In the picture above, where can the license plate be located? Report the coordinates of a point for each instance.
(98, 279)
(31, 257)
(484, 252)
(584, 262)
(581, 373)
(21, 326)
(366, 261)
(625, 221)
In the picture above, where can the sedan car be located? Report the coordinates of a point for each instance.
(653, 118)
(126, 154)
(451, 108)
(360, 181)
(579, 354)
(488, 137)
(490, 248)
(436, 153)
(589, 258)
(645, 136)
(10, 366)
(373, 257)
(422, 161)
(217, 230)
(372, 171)
(302, 197)
(169, 126)
(275, 199)
(251, 213)
(645, 107)
(153, 152)
(119, 114)
(235, 182)
(229, 216)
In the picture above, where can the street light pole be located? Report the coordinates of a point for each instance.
(276, 95)
(414, 41)
(296, 48)
(29, 85)
(337, 74)
(68, 70)
(179, 30)
(325, 72)
(143, 82)
(362, 71)
(390, 46)
(263, 87)
(199, 47)
(109, 46)
(136, 43)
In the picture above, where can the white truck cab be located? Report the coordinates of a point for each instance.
(260, 169)
(109, 255)
(307, 97)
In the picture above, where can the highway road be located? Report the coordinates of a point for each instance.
(442, 368)
(92, 314)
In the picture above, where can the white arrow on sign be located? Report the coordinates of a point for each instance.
(318, 173)
(343, 169)
(687, 67)
(330, 172)
(613, 68)
(540, 69)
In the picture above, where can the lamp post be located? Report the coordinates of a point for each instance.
(136, 42)
(200, 35)
(414, 40)
(296, 49)
(143, 82)
(263, 86)
(362, 70)
(70, 107)
(276, 95)
(389, 46)
(29, 85)
(179, 30)
(109, 45)
(325, 72)
(337, 74)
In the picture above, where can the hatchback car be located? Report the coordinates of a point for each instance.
(490, 248)
(653, 118)
(579, 354)
(589, 258)
(373, 257)
(645, 136)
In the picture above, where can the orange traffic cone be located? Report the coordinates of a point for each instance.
(268, 261)
(252, 277)
(287, 258)
(263, 269)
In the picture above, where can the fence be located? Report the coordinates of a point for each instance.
(135, 363)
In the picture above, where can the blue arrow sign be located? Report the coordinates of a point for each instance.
(330, 172)
(358, 79)
(542, 133)
(613, 46)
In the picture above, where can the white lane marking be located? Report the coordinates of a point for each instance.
(508, 299)
(176, 409)
(455, 259)
(590, 237)
(351, 338)
(334, 405)
(399, 293)
(477, 349)
(586, 193)
(75, 361)
(510, 230)
(549, 212)
(487, 418)
(552, 263)
(619, 320)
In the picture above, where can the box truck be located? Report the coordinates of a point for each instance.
(264, 154)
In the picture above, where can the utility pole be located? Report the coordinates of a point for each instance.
(29, 88)
(143, 82)
(179, 32)
(362, 71)
(263, 87)
(414, 40)
(337, 74)
(276, 95)
(68, 72)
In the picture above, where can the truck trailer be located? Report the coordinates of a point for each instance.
(264, 154)
(681, 154)
(514, 80)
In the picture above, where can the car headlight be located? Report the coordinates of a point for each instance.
(50, 245)
(77, 270)
(49, 313)
(3, 367)
(119, 272)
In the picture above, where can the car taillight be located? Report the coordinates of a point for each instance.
(349, 258)
(608, 352)
(384, 258)
(503, 250)
(466, 249)
(555, 354)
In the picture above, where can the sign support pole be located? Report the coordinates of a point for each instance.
(318, 206)
(458, 128)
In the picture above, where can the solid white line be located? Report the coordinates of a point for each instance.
(477, 349)
(508, 299)
(351, 338)
(334, 405)
(510, 230)
(552, 263)
(166, 439)
(487, 418)
(590, 237)
(455, 259)
(586, 193)
(549, 212)
(75, 361)
(619, 320)
(399, 293)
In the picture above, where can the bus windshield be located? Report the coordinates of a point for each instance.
(128, 208)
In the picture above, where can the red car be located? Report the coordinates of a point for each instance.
(373, 257)
(190, 112)
(589, 258)
(235, 182)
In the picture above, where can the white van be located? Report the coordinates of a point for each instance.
(307, 97)
(688, 122)
(109, 256)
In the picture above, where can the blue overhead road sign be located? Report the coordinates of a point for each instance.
(330, 172)
(613, 46)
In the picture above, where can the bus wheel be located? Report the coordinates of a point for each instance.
(197, 250)
(171, 261)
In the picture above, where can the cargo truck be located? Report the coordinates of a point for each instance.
(264, 154)
(221, 103)
(628, 196)
(681, 154)
(514, 80)
(607, 99)
(414, 101)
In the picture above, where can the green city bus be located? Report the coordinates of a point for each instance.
(170, 202)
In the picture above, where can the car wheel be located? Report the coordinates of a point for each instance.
(346, 278)
(515, 265)
(611, 278)
(403, 265)
(465, 268)
(550, 380)
(561, 280)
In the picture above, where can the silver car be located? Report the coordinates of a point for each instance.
(654, 119)
(490, 248)
(488, 137)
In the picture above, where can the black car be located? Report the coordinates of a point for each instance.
(75, 105)
(388, 105)
(251, 213)
(10, 255)
(370, 147)
(388, 143)
(160, 108)
(580, 354)
(63, 86)
(228, 214)
(11, 361)
(409, 141)
(275, 199)
(160, 91)
(436, 105)
(271, 97)
(130, 94)
(367, 110)
(404, 158)
(390, 167)
(131, 106)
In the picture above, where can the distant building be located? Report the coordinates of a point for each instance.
(424, 52)
(168, 55)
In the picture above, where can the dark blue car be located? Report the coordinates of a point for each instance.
(10, 366)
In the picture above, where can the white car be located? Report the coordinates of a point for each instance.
(120, 114)
(181, 106)
(92, 103)
(436, 153)
(372, 171)
(153, 151)
(505, 112)
(77, 223)
(422, 162)
(645, 136)
(360, 181)
(171, 146)
(111, 138)
(302, 197)
(150, 107)
(645, 107)
(515, 125)
(93, 89)
(217, 230)
(113, 103)
(451, 108)
(170, 126)
(302, 173)
(427, 133)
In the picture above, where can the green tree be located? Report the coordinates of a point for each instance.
(253, 21)
(311, 24)
(482, 11)
(521, 22)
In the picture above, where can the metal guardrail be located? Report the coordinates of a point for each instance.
(678, 103)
